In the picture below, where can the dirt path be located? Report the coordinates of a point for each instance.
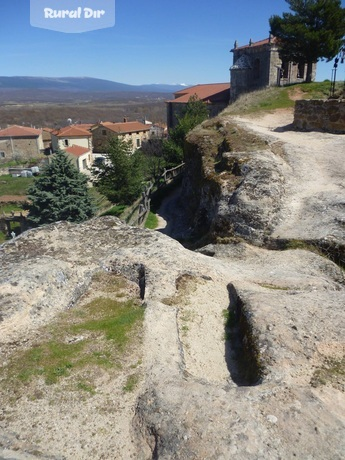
(316, 181)
(12, 198)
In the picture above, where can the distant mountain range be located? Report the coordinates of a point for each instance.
(81, 84)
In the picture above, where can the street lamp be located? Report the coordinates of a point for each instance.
(340, 57)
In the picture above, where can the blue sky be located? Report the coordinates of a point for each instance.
(152, 42)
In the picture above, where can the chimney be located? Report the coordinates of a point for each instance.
(125, 119)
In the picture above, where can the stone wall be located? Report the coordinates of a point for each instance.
(19, 148)
(322, 115)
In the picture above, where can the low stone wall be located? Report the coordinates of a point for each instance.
(313, 115)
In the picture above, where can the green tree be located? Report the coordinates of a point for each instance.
(60, 193)
(194, 113)
(315, 31)
(172, 153)
(119, 177)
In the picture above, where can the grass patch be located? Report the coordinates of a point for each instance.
(331, 372)
(230, 322)
(101, 203)
(23, 162)
(84, 386)
(3, 237)
(104, 327)
(320, 90)
(151, 221)
(112, 318)
(280, 97)
(115, 211)
(14, 185)
(131, 383)
(7, 208)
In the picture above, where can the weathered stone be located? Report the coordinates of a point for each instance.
(235, 335)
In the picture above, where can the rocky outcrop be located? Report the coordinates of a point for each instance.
(233, 183)
(233, 345)
(243, 347)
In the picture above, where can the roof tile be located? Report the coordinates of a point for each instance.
(125, 127)
(77, 150)
(20, 131)
(204, 92)
(72, 131)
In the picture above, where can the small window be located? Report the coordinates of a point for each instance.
(138, 143)
(84, 164)
(2, 155)
(104, 132)
(66, 142)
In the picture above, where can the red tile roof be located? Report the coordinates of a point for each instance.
(76, 150)
(20, 131)
(86, 126)
(204, 92)
(72, 131)
(265, 41)
(126, 127)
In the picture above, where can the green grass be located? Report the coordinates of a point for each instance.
(3, 237)
(101, 203)
(331, 372)
(6, 208)
(280, 97)
(320, 90)
(111, 318)
(131, 383)
(230, 321)
(27, 163)
(14, 185)
(115, 210)
(151, 221)
(104, 328)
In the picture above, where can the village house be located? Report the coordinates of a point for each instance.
(258, 65)
(215, 95)
(71, 135)
(81, 158)
(132, 131)
(158, 131)
(20, 143)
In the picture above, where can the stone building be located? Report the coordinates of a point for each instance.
(71, 135)
(258, 65)
(20, 143)
(132, 131)
(215, 95)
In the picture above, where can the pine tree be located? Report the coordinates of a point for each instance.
(193, 114)
(314, 32)
(119, 177)
(59, 193)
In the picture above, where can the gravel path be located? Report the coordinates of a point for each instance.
(315, 187)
